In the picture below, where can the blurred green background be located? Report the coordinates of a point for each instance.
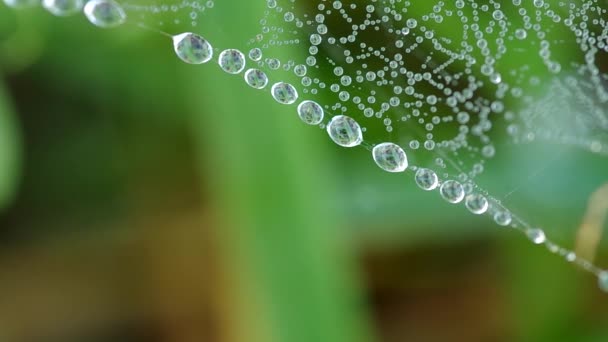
(148, 200)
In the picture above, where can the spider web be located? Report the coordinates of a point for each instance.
(457, 84)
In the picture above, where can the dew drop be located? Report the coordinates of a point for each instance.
(427, 179)
(452, 191)
(537, 236)
(256, 78)
(503, 218)
(476, 203)
(63, 8)
(498, 15)
(300, 70)
(571, 257)
(255, 54)
(105, 13)
(232, 61)
(345, 131)
(284, 93)
(521, 33)
(21, 3)
(603, 281)
(390, 157)
(310, 112)
(192, 48)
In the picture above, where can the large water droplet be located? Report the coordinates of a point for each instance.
(63, 8)
(232, 61)
(192, 48)
(390, 157)
(310, 112)
(537, 236)
(256, 78)
(427, 179)
(503, 218)
(21, 3)
(476, 203)
(602, 280)
(345, 131)
(452, 191)
(284, 93)
(105, 13)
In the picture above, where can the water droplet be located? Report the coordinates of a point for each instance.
(498, 15)
(311, 112)
(192, 48)
(537, 236)
(427, 179)
(255, 54)
(488, 151)
(390, 157)
(284, 93)
(232, 61)
(63, 8)
(452, 191)
(256, 78)
(476, 203)
(315, 39)
(345, 131)
(603, 281)
(571, 257)
(503, 218)
(105, 13)
(21, 3)
(521, 33)
(300, 70)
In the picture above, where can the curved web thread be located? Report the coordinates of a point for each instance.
(432, 75)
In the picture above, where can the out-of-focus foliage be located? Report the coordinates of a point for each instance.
(10, 150)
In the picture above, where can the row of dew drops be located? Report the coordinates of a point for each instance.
(345, 131)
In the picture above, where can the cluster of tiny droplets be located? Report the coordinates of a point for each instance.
(400, 82)
(429, 81)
